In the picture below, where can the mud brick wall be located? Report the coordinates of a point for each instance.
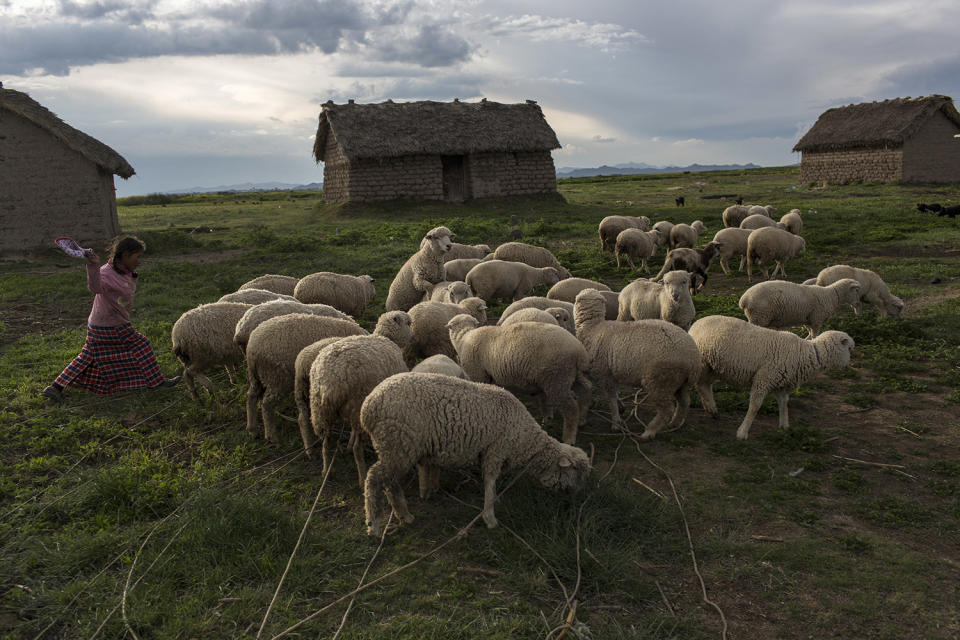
(368, 180)
(857, 164)
(506, 174)
(933, 154)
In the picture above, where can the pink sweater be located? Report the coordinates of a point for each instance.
(114, 300)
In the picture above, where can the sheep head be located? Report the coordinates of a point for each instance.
(676, 283)
(477, 308)
(848, 292)
(588, 306)
(438, 240)
(395, 325)
(460, 325)
(837, 349)
(566, 467)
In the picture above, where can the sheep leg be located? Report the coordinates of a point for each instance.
(254, 391)
(491, 470)
(723, 265)
(356, 436)
(398, 502)
(191, 387)
(663, 403)
(643, 264)
(757, 394)
(373, 496)
(705, 389)
(268, 409)
(683, 405)
(742, 260)
(617, 255)
(782, 398)
(303, 421)
(571, 417)
(581, 387)
(611, 393)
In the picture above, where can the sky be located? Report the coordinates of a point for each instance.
(214, 92)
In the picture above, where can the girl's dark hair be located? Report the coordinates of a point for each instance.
(124, 244)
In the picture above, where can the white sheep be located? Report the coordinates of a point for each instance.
(734, 215)
(349, 294)
(653, 354)
(528, 254)
(453, 291)
(528, 357)
(611, 226)
(461, 251)
(664, 227)
(429, 324)
(203, 337)
(420, 271)
(568, 289)
(685, 235)
(670, 300)
(757, 221)
(418, 418)
(792, 221)
(441, 364)
(635, 243)
(254, 296)
(772, 244)
(503, 279)
(272, 282)
(732, 241)
(343, 373)
(535, 302)
(552, 315)
(767, 360)
(266, 310)
(763, 210)
(779, 304)
(458, 269)
(271, 360)
(873, 290)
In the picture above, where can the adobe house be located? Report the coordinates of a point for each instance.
(428, 150)
(54, 180)
(908, 139)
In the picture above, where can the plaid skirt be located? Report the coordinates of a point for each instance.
(113, 359)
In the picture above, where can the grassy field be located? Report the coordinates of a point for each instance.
(147, 515)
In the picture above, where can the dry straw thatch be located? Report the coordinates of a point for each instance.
(393, 129)
(871, 125)
(100, 154)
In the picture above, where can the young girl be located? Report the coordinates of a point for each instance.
(115, 357)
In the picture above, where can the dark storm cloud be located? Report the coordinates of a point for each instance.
(922, 79)
(124, 11)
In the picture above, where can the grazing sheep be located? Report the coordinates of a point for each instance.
(535, 302)
(757, 221)
(664, 227)
(272, 282)
(459, 251)
(342, 375)
(266, 310)
(203, 337)
(779, 304)
(271, 360)
(635, 243)
(653, 354)
(449, 291)
(441, 364)
(458, 269)
(349, 294)
(429, 324)
(873, 290)
(763, 210)
(670, 300)
(611, 226)
(772, 244)
(568, 289)
(694, 261)
(421, 419)
(792, 221)
(553, 315)
(768, 360)
(528, 254)
(734, 215)
(685, 235)
(528, 357)
(254, 296)
(503, 279)
(732, 241)
(422, 269)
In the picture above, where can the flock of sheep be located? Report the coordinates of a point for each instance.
(436, 385)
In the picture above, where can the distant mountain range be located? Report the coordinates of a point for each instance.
(633, 168)
(250, 186)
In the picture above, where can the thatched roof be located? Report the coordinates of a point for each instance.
(874, 124)
(391, 129)
(92, 149)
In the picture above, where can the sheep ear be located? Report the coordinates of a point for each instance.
(452, 236)
(565, 462)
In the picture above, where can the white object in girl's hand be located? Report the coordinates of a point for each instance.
(71, 248)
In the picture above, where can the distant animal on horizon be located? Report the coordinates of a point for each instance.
(739, 200)
(929, 208)
(681, 202)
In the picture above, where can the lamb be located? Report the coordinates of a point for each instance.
(779, 304)
(535, 302)
(528, 254)
(669, 301)
(266, 310)
(757, 221)
(203, 337)
(552, 315)
(345, 372)
(254, 296)
(792, 221)
(611, 226)
(664, 227)
(272, 282)
(694, 261)
(768, 360)
(734, 215)
(421, 270)
(429, 324)
(458, 269)
(637, 244)
(770, 243)
(502, 279)
(732, 241)
(349, 294)
(271, 360)
(653, 354)
(528, 357)
(416, 419)
(685, 235)
(441, 364)
(449, 291)
(873, 290)
(460, 251)
(568, 289)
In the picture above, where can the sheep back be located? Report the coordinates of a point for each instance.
(568, 289)
(349, 294)
(272, 282)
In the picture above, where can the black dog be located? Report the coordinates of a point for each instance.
(740, 200)
(680, 201)
(929, 208)
(949, 211)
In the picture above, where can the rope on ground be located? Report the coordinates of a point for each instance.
(383, 536)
